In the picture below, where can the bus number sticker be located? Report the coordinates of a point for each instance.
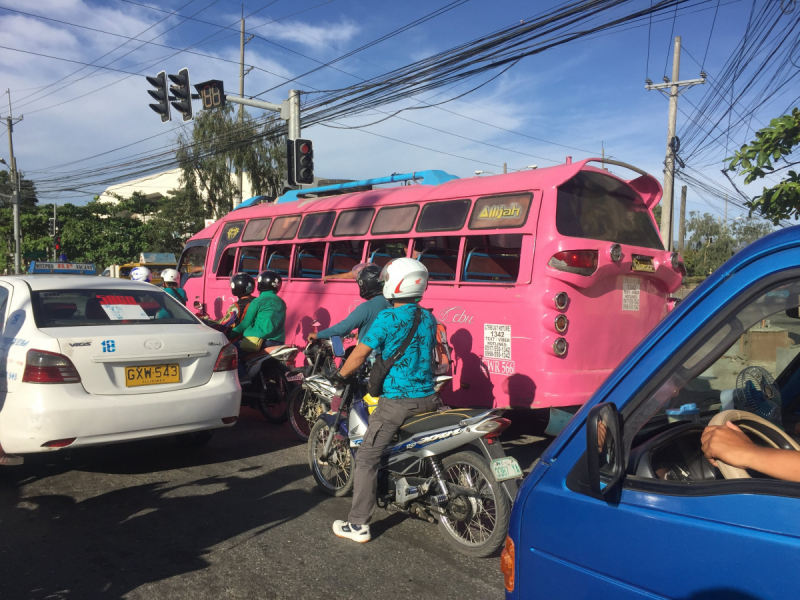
(500, 367)
(631, 287)
(497, 341)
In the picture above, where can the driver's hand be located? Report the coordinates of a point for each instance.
(312, 336)
(601, 435)
(727, 443)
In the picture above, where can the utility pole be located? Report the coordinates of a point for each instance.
(726, 210)
(55, 233)
(682, 223)
(15, 183)
(505, 168)
(676, 88)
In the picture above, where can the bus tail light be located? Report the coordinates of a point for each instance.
(582, 262)
(561, 323)
(560, 347)
(561, 300)
(507, 564)
(228, 359)
(49, 367)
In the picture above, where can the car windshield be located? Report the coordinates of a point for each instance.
(81, 307)
(736, 366)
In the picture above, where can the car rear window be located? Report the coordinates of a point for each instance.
(599, 207)
(79, 308)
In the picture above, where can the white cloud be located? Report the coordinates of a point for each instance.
(320, 37)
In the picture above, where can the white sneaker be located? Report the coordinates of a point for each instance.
(357, 533)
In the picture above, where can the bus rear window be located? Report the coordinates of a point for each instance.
(104, 307)
(598, 207)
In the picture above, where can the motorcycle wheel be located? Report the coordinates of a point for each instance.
(273, 397)
(300, 426)
(474, 526)
(334, 476)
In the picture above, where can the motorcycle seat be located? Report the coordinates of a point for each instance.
(437, 420)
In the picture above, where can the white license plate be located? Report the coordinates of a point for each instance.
(506, 468)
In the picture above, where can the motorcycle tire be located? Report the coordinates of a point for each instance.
(333, 480)
(273, 397)
(467, 518)
(300, 426)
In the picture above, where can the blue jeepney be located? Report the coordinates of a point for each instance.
(624, 504)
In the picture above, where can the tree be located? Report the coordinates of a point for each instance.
(772, 146)
(218, 146)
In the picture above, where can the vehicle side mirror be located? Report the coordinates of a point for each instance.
(604, 448)
(793, 313)
(337, 346)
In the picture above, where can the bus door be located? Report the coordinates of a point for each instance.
(191, 266)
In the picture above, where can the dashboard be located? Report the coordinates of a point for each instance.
(673, 455)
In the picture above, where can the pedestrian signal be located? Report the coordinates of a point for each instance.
(212, 94)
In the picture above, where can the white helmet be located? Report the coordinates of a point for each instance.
(404, 278)
(170, 276)
(140, 274)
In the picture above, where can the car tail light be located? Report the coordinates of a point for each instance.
(229, 420)
(228, 359)
(507, 564)
(493, 427)
(582, 262)
(59, 443)
(49, 367)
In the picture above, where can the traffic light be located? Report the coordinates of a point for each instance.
(53, 227)
(212, 93)
(182, 92)
(57, 243)
(303, 161)
(160, 95)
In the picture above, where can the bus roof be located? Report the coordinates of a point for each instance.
(532, 179)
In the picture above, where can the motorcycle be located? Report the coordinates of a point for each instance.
(272, 378)
(308, 401)
(447, 467)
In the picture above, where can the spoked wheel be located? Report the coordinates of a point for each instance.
(474, 525)
(335, 475)
(304, 410)
(273, 396)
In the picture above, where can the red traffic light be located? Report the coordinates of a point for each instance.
(305, 148)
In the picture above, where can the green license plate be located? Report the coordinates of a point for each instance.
(506, 468)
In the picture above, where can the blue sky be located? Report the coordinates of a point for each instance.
(582, 95)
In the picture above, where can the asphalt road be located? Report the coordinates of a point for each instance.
(238, 518)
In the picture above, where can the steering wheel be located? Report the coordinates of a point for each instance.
(769, 433)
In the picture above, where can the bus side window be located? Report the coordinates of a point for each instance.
(492, 258)
(344, 256)
(249, 261)
(382, 251)
(308, 261)
(227, 262)
(439, 255)
(277, 259)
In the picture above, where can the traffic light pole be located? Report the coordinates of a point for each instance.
(289, 109)
(15, 184)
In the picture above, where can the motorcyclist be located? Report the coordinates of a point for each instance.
(370, 288)
(408, 389)
(242, 286)
(171, 281)
(141, 274)
(263, 324)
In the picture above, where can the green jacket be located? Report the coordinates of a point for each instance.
(265, 318)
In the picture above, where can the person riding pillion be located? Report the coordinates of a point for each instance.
(370, 288)
(407, 390)
(263, 324)
(171, 281)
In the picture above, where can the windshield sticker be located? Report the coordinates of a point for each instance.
(497, 341)
(117, 300)
(125, 312)
(631, 287)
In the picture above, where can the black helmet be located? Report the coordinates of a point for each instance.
(242, 284)
(369, 281)
(269, 281)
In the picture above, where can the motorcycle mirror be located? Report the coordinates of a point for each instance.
(197, 305)
(337, 346)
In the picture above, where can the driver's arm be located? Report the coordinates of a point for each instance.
(355, 360)
(730, 445)
(352, 321)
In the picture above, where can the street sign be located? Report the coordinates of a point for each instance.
(212, 93)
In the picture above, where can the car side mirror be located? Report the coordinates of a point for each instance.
(338, 346)
(604, 448)
(793, 313)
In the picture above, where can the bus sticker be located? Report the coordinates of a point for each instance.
(630, 293)
(497, 341)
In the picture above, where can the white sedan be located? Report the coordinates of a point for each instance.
(87, 360)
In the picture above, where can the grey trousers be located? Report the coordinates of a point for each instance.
(383, 424)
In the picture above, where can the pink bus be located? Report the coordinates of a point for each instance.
(544, 278)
